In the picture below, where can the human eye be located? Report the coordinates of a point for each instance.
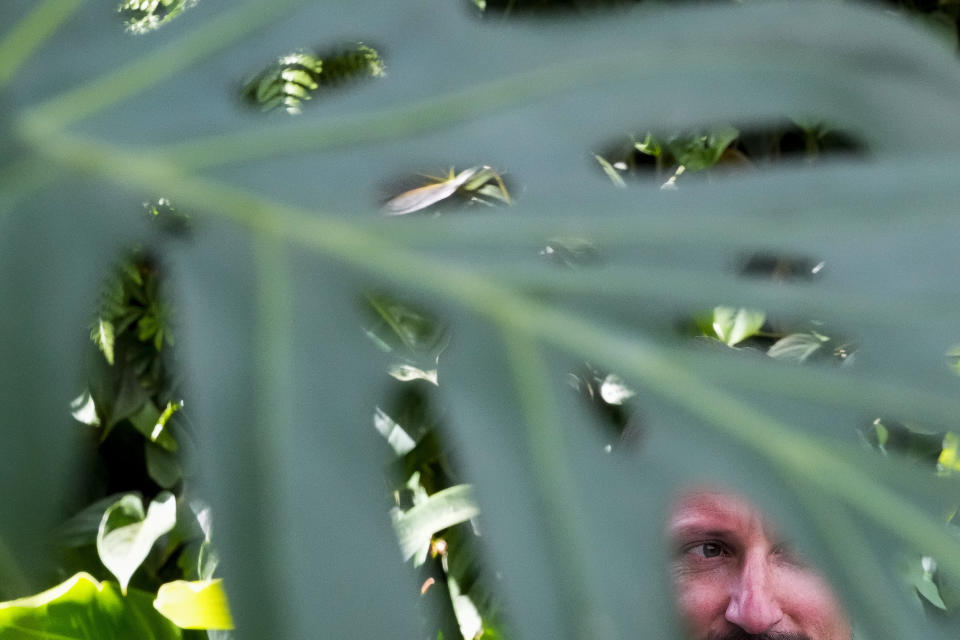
(706, 550)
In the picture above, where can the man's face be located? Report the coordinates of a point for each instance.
(735, 579)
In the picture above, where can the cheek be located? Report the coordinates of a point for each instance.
(817, 610)
(701, 601)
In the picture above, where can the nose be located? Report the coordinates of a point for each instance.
(754, 604)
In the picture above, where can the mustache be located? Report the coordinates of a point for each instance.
(739, 634)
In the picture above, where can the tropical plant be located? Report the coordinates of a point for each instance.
(302, 309)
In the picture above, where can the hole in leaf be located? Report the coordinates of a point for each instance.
(613, 402)
(571, 251)
(133, 399)
(765, 331)
(297, 77)
(535, 8)
(477, 185)
(144, 16)
(780, 267)
(670, 157)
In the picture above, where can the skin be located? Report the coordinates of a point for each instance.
(735, 579)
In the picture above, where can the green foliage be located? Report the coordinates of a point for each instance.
(733, 326)
(443, 509)
(126, 533)
(719, 150)
(133, 318)
(194, 605)
(304, 313)
(293, 78)
(797, 346)
(694, 152)
(143, 16)
(83, 609)
(476, 185)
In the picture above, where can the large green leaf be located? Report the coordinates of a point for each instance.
(289, 233)
(83, 609)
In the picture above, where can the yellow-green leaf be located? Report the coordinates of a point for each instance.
(195, 605)
(83, 609)
(950, 456)
(733, 325)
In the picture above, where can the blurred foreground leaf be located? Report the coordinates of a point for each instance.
(290, 235)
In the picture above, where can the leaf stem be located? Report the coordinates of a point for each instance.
(31, 32)
(558, 496)
(852, 561)
(158, 65)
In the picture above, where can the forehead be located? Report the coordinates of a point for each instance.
(711, 509)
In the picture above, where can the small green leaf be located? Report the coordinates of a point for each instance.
(128, 401)
(83, 409)
(921, 575)
(949, 459)
(268, 87)
(162, 466)
(144, 16)
(126, 534)
(296, 90)
(80, 529)
(611, 172)
(430, 194)
(733, 326)
(930, 592)
(650, 146)
(105, 338)
(407, 372)
(478, 178)
(300, 77)
(701, 151)
(152, 424)
(304, 60)
(443, 509)
(796, 346)
(418, 331)
(398, 439)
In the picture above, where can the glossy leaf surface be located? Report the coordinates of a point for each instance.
(126, 533)
(195, 605)
(83, 609)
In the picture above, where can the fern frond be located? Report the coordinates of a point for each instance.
(294, 78)
(143, 16)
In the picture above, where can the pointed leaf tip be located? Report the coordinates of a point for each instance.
(200, 604)
(126, 534)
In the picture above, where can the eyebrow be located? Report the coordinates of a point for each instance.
(698, 531)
